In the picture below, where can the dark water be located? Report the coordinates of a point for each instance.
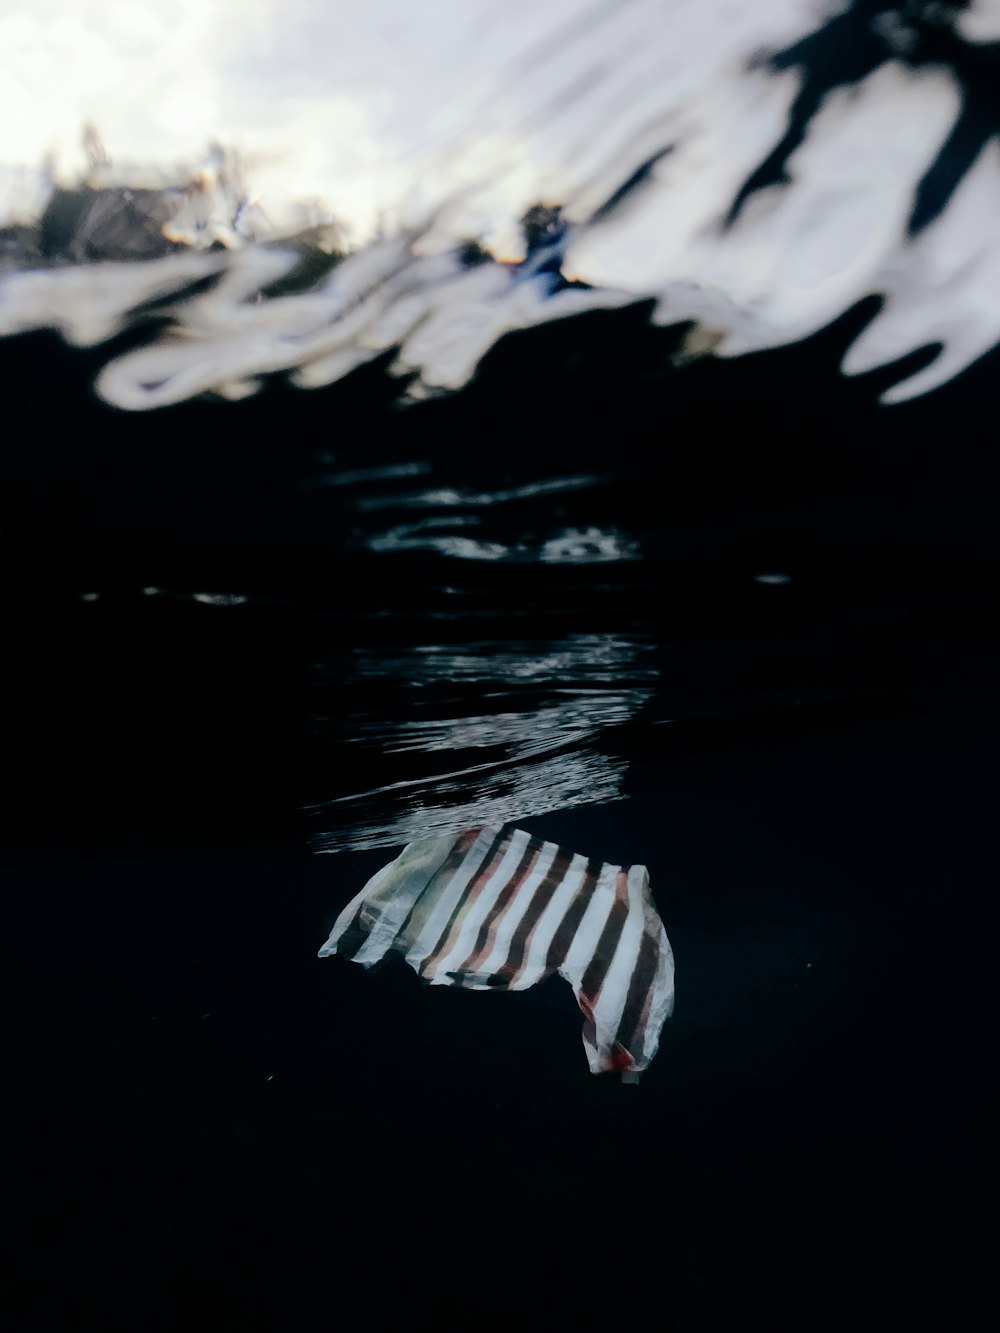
(735, 623)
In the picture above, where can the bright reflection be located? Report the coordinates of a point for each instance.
(411, 128)
(486, 731)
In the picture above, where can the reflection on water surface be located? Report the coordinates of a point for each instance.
(484, 731)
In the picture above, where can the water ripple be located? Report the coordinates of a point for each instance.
(480, 731)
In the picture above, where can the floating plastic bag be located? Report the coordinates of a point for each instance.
(497, 909)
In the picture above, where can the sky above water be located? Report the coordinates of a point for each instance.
(374, 113)
(343, 102)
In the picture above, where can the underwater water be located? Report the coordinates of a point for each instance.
(306, 557)
(735, 623)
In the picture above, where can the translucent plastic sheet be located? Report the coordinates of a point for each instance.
(495, 909)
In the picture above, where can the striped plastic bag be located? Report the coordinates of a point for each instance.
(498, 909)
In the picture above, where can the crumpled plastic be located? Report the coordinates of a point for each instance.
(499, 909)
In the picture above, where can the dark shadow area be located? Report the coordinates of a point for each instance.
(855, 43)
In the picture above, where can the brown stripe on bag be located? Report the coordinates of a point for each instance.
(487, 867)
(539, 901)
(597, 968)
(631, 1029)
(488, 930)
(568, 926)
(447, 868)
